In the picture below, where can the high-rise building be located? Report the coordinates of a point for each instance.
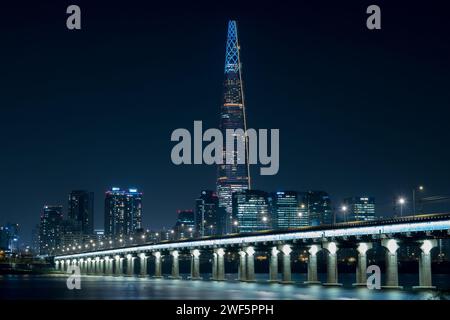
(235, 176)
(359, 209)
(288, 210)
(50, 229)
(185, 225)
(206, 214)
(123, 212)
(70, 233)
(251, 211)
(319, 208)
(81, 209)
(9, 238)
(35, 239)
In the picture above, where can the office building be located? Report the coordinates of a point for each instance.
(123, 212)
(206, 214)
(251, 211)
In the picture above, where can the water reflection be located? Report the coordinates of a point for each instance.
(110, 287)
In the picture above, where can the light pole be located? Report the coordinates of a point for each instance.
(401, 202)
(419, 188)
(344, 210)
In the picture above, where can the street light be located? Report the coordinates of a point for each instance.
(419, 188)
(344, 210)
(401, 202)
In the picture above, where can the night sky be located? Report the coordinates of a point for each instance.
(360, 112)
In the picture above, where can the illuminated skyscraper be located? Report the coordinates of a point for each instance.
(360, 209)
(319, 208)
(288, 210)
(206, 218)
(251, 211)
(123, 212)
(232, 177)
(81, 210)
(50, 229)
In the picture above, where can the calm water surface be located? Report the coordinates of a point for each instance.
(100, 287)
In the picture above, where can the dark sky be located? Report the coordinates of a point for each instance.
(360, 112)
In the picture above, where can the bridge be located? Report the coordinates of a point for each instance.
(390, 234)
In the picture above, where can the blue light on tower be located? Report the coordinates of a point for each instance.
(232, 49)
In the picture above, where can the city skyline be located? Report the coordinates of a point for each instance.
(319, 117)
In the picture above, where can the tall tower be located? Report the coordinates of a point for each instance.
(232, 177)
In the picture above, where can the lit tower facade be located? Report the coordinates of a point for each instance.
(235, 176)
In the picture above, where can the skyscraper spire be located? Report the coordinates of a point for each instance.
(233, 177)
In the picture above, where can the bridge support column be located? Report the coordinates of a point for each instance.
(108, 269)
(220, 275)
(82, 266)
(425, 275)
(391, 264)
(89, 266)
(143, 265)
(250, 264)
(67, 265)
(312, 265)
(273, 267)
(287, 271)
(332, 270)
(86, 266)
(242, 271)
(57, 265)
(130, 265)
(61, 266)
(361, 268)
(175, 265)
(117, 266)
(97, 266)
(195, 265)
(214, 266)
(100, 266)
(158, 272)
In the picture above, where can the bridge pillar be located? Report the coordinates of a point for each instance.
(220, 264)
(67, 265)
(214, 266)
(273, 267)
(88, 266)
(130, 265)
(361, 268)
(332, 270)
(81, 265)
(195, 265)
(175, 265)
(57, 265)
(391, 263)
(287, 271)
(158, 272)
(108, 267)
(102, 266)
(97, 266)
(61, 265)
(242, 271)
(312, 265)
(425, 275)
(250, 264)
(117, 266)
(143, 265)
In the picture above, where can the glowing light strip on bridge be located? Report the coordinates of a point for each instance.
(356, 231)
